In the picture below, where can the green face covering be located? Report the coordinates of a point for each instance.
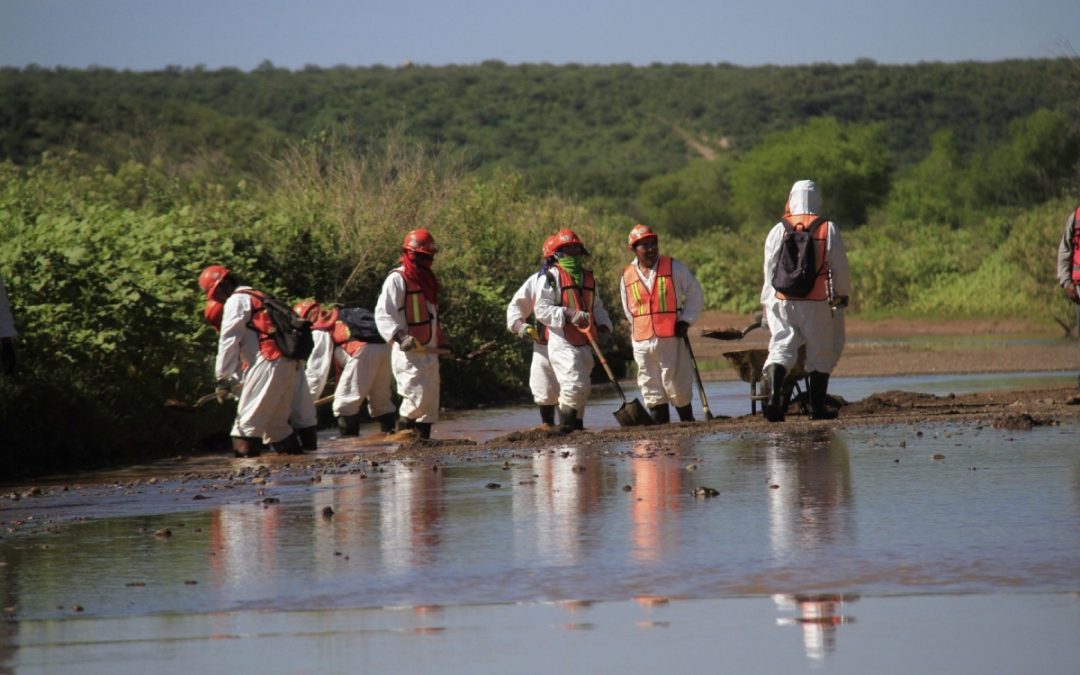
(574, 266)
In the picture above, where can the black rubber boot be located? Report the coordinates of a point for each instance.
(776, 406)
(406, 424)
(819, 388)
(686, 413)
(349, 425)
(247, 446)
(425, 429)
(661, 414)
(309, 438)
(547, 415)
(388, 422)
(568, 420)
(290, 445)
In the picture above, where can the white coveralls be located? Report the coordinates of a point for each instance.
(572, 365)
(416, 372)
(665, 373)
(542, 381)
(363, 375)
(269, 387)
(794, 323)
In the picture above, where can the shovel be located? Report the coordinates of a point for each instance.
(630, 413)
(731, 333)
(174, 404)
(697, 377)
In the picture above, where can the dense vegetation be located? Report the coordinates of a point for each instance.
(951, 184)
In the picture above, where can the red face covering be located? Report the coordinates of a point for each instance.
(418, 270)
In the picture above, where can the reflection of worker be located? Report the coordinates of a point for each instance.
(570, 306)
(269, 380)
(819, 615)
(542, 382)
(7, 333)
(364, 369)
(660, 298)
(1068, 267)
(806, 320)
(407, 316)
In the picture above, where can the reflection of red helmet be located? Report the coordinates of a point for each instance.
(567, 237)
(213, 313)
(641, 233)
(420, 241)
(211, 277)
(320, 318)
(549, 246)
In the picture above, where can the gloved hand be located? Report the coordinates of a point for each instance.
(1071, 293)
(577, 317)
(531, 333)
(840, 302)
(407, 343)
(604, 333)
(7, 356)
(223, 390)
(681, 329)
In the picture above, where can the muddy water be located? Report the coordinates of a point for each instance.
(949, 548)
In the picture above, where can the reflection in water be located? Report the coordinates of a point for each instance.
(655, 504)
(810, 509)
(412, 508)
(819, 615)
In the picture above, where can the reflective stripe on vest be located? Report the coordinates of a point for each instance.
(417, 316)
(574, 297)
(1076, 247)
(339, 335)
(820, 291)
(262, 325)
(653, 313)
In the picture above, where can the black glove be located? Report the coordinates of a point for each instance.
(682, 329)
(7, 356)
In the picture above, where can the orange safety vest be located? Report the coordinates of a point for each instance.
(574, 297)
(1076, 247)
(340, 336)
(820, 291)
(262, 325)
(654, 313)
(417, 316)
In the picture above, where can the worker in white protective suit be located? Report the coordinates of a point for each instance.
(542, 381)
(660, 298)
(363, 368)
(269, 380)
(570, 306)
(814, 319)
(407, 316)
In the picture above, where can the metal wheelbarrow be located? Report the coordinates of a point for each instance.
(748, 363)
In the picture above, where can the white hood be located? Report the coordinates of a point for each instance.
(805, 198)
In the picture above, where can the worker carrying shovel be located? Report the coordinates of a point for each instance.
(407, 316)
(542, 380)
(661, 299)
(570, 306)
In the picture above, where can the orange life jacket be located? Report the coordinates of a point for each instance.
(339, 334)
(417, 316)
(820, 291)
(261, 323)
(574, 297)
(654, 312)
(1076, 247)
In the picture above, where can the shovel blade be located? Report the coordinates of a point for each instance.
(633, 414)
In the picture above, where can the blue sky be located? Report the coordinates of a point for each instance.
(151, 34)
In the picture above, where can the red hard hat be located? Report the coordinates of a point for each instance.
(320, 318)
(213, 313)
(567, 237)
(549, 246)
(420, 241)
(641, 233)
(211, 277)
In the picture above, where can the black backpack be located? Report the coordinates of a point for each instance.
(361, 324)
(796, 263)
(291, 334)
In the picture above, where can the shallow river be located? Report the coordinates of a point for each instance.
(902, 549)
